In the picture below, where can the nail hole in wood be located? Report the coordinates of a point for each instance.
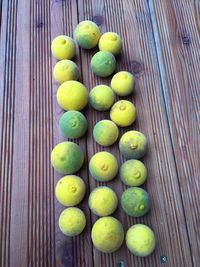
(186, 40)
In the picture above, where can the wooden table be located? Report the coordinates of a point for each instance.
(161, 47)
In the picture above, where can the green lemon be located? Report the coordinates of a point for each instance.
(87, 34)
(73, 124)
(63, 47)
(110, 42)
(72, 95)
(133, 172)
(103, 166)
(103, 201)
(123, 113)
(107, 234)
(70, 190)
(135, 201)
(140, 240)
(105, 132)
(122, 83)
(65, 70)
(101, 97)
(67, 157)
(133, 145)
(72, 221)
(103, 64)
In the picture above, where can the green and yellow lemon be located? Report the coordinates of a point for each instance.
(105, 132)
(110, 42)
(103, 64)
(65, 70)
(63, 47)
(133, 145)
(123, 113)
(72, 221)
(70, 190)
(103, 166)
(122, 83)
(103, 201)
(67, 157)
(140, 240)
(72, 95)
(107, 234)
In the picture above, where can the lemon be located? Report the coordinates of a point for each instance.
(105, 132)
(63, 47)
(70, 190)
(65, 70)
(103, 64)
(101, 97)
(133, 145)
(72, 95)
(110, 42)
(122, 83)
(140, 240)
(133, 172)
(73, 124)
(135, 201)
(72, 221)
(103, 201)
(67, 157)
(107, 234)
(103, 166)
(123, 113)
(87, 34)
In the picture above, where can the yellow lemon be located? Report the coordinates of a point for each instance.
(65, 70)
(101, 97)
(103, 166)
(72, 221)
(133, 145)
(123, 113)
(103, 201)
(63, 47)
(72, 95)
(133, 172)
(110, 42)
(70, 190)
(67, 157)
(122, 83)
(105, 132)
(140, 240)
(87, 34)
(107, 234)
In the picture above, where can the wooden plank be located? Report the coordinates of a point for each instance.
(177, 29)
(131, 19)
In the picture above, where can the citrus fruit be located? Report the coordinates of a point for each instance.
(123, 113)
(70, 190)
(107, 234)
(105, 132)
(103, 64)
(133, 145)
(72, 221)
(133, 172)
(65, 70)
(73, 124)
(72, 95)
(122, 83)
(63, 47)
(101, 97)
(135, 201)
(87, 34)
(67, 157)
(103, 201)
(140, 240)
(110, 42)
(103, 166)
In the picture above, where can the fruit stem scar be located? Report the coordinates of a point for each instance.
(141, 207)
(137, 175)
(112, 37)
(133, 145)
(62, 41)
(104, 166)
(72, 188)
(122, 106)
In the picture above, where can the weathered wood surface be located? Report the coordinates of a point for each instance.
(161, 47)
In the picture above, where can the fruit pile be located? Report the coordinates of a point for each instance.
(67, 157)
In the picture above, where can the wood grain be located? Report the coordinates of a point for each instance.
(161, 49)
